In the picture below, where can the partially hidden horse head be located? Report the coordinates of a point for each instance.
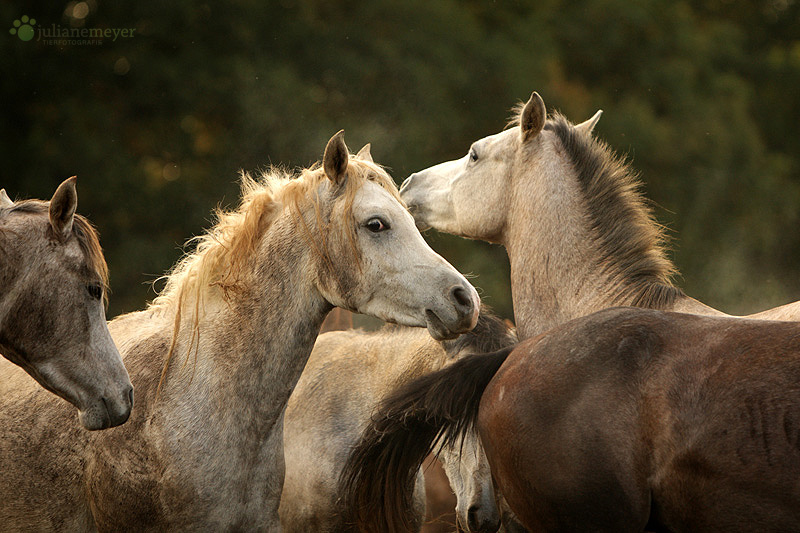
(464, 459)
(53, 279)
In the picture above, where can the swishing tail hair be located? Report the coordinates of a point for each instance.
(377, 483)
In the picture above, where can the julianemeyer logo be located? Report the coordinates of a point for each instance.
(25, 28)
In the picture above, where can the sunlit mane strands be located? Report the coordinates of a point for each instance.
(220, 256)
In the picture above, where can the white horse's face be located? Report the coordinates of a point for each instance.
(468, 471)
(473, 196)
(467, 196)
(53, 318)
(402, 279)
(397, 276)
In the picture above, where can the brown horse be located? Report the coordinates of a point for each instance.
(216, 356)
(53, 280)
(619, 421)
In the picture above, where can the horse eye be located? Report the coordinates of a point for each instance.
(473, 155)
(95, 291)
(376, 225)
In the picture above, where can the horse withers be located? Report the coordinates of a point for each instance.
(625, 420)
(53, 280)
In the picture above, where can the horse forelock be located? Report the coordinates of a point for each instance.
(631, 243)
(83, 230)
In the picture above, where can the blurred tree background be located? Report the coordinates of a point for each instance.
(704, 97)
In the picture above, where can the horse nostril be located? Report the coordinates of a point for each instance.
(478, 524)
(460, 297)
(130, 396)
(472, 518)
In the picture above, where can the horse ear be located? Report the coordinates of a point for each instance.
(533, 117)
(365, 153)
(5, 201)
(336, 158)
(588, 125)
(62, 207)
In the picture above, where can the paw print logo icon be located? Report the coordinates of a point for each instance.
(23, 28)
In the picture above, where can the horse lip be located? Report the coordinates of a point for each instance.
(436, 327)
(90, 418)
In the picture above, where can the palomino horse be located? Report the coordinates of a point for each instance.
(52, 315)
(347, 376)
(625, 420)
(217, 354)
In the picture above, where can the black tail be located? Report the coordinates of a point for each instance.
(377, 482)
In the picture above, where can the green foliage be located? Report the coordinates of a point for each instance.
(703, 98)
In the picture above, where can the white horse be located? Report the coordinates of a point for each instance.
(53, 280)
(346, 378)
(217, 354)
(578, 233)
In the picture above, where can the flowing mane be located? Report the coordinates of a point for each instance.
(221, 254)
(630, 241)
(84, 231)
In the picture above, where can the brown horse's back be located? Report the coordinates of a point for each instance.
(602, 420)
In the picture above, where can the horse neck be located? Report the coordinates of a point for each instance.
(10, 274)
(554, 257)
(419, 354)
(255, 343)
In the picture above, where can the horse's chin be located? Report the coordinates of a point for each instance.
(436, 327)
(101, 415)
(94, 418)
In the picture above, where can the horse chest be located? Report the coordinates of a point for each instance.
(172, 482)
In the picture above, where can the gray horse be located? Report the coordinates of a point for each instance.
(53, 279)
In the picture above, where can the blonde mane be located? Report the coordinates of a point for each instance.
(222, 253)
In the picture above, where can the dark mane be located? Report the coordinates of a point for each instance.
(83, 230)
(630, 240)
